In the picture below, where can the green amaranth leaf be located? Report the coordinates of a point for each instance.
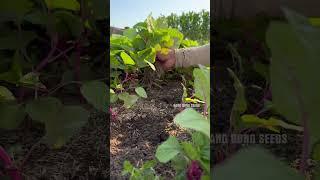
(202, 84)
(61, 121)
(127, 59)
(15, 72)
(68, 23)
(14, 9)
(6, 94)
(129, 100)
(271, 123)
(96, 93)
(180, 164)
(67, 122)
(98, 9)
(141, 92)
(259, 164)
(240, 103)
(295, 49)
(148, 164)
(190, 150)
(168, 150)
(189, 43)
(130, 33)
(191, 119)
(12, 40)
(32, 79)
(127, 167)
(11, 115)
(316, 152)
(315, 21)
(44, 108)
(63, 4)
(37, 17)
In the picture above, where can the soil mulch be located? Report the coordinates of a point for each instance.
(85, 156)
(134, 135)
(136, 132)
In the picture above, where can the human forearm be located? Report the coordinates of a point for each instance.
(193, 56)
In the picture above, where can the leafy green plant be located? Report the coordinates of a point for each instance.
(295, 51)
(50, 49)
(191, 159)
(145, 172)
(135, 50)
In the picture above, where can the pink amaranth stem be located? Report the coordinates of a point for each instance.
(127, 78)
(113, 114)
(8, 165)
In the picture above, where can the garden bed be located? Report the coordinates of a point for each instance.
(136, 132)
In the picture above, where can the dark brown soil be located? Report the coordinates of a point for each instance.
(85, 156)
(136, 132)
(134, 136)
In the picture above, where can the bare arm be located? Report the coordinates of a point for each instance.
(193, 56)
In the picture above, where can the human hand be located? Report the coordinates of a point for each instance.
(166, 61)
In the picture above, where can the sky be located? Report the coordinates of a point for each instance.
(128, 12)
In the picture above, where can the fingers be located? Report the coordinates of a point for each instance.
(167, 61)
(162, 57)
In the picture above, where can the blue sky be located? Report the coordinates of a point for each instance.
(129, 12)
